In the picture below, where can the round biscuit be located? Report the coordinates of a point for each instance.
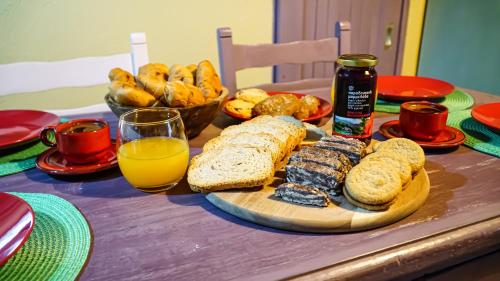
(407, 148)
(380, 207)
(373, 183)
(397, 161)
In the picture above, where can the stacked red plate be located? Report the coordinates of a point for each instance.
(488, 114)
(16, 224)
(19, 127)
(409, 88)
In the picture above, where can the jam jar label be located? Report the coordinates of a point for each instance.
(354, 114)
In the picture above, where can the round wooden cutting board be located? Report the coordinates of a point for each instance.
(260, 206)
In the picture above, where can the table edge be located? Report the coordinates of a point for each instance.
(415, 258)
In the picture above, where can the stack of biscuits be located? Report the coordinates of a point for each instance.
(380, 177)
(315, 174)
(244, 155)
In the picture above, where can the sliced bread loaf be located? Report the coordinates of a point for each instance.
(230, 167)
(263, 140)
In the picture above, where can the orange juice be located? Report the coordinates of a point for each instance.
(153, 161)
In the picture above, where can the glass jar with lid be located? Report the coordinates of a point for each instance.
(354, 94)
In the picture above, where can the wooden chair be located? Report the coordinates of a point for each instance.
(235, 57)
(35, 76)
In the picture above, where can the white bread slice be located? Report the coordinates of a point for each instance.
(298, 132)
(247, 127)
(230, 167)
(263, 140)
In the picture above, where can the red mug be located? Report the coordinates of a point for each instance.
(422, 120)
(80, 141)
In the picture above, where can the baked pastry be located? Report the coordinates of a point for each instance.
(407, 148)
(206, 72)
(177, 94)
(153, 77)
(301, 194)
(180, 73)
(252, 95)
(281, 104)
(127, 94)
(240, 107)
(118, 74)
(208, 90)
(308, 106)
(196, 96)
(373, 185)
(192, 68)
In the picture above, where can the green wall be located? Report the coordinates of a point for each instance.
(461, 43)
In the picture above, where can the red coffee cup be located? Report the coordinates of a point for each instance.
(422, 120)
(80, 141)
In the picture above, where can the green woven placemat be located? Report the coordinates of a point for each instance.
(477, 135)
(21, 160)
(58, 246)
(456, 101)
(24, 159)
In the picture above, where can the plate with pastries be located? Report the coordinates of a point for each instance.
(195, 90)
(260, 171)
(252, 102)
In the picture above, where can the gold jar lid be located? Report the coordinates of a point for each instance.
(357, 60)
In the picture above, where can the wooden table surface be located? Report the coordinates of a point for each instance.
(179, 235)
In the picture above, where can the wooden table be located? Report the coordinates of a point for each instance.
(179, 235)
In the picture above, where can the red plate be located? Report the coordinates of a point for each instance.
(16, 223)
(450, 137)
(21, 126)
(488, 114)
(323, 110)
(406, 88)
(52, 162)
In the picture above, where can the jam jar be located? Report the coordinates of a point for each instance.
(354, 94)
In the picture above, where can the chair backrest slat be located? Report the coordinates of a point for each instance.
(234, 57)
(35, 76)
(299, 52)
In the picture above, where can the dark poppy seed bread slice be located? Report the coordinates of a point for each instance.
(301, 194)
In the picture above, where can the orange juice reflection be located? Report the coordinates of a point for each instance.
(154, 161)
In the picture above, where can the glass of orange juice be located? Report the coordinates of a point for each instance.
(153, 152)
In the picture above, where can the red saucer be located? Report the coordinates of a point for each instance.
(488, 114)
(323, 110)
(450, 137)
(53, 162)
(408, 88)
(21, 126)
(16, 224)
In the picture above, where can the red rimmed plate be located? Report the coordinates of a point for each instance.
(450, 137)
(52, 162)
(408, 88)
(323, 110)
(488, 114)
(16, 224)
(18, 127)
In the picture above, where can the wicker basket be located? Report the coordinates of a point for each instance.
(195, 118)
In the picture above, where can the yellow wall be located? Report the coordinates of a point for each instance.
(416, 13)
(177, 32)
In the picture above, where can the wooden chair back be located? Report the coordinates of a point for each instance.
(35, 76)
(235, 57)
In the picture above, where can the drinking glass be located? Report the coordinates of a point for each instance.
(153, 152)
